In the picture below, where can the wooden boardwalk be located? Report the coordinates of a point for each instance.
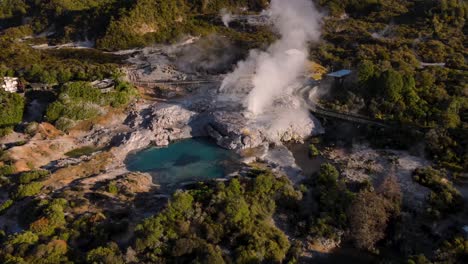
(327, 113)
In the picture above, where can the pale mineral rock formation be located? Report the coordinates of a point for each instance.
(10, 84)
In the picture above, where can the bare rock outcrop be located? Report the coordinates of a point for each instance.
(230, 131)
(157, 124)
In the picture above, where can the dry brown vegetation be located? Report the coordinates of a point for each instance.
(92, 167)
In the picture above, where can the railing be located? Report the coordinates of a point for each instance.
(327, 113)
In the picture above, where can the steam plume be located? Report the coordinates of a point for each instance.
(282, 64)
(226, 16)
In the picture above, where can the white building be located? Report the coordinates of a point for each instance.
(10, 84)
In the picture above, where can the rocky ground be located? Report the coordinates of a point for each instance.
(201, 112)
(362, 163)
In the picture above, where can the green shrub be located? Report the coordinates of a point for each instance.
(84, 151)
(5, 131)
(112, 188)
(11, 112)
(27, 190)
(313, 151)
(5, 205)
(444, 198)
(328, 175)
(54, 111)
(11, 8)
(30, 176)
(26, 237)
(7, 170)
(80, 101)
(64, 123)
(80, 91)
(108, 254)
(31, 128)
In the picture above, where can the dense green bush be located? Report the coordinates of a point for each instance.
(444, 198)
(109, 254)
(81, 101)
(28, 190)
(313, 151)
(447, 148)
(236, 213)
(26, 237)
(30, 176)
(83, 151)
(11, 112)
(6, 170)
(51, 217)
(5, 205)
(11, 8)
(333, 199)
(112, 188)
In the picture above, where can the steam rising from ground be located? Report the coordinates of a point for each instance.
(276, 70)
(212, 54)
(226, 16)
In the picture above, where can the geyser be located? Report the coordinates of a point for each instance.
(276, 70)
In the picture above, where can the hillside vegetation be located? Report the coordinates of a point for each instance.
(117, 24)
(391, 45)
(408, 60)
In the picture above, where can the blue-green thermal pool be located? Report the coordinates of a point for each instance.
(189, 160)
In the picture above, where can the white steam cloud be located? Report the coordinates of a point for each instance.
(276, 70)
(226, 16)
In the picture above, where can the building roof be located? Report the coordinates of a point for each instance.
(340, 73)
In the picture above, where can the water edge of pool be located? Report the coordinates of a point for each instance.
(184, 161)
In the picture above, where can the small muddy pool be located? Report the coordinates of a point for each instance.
(186, 161)
(308, 165)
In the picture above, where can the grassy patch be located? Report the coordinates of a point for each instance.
(83, 151)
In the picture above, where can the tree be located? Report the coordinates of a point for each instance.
(23, 238)
(30, 176)
(11, 108)
(112, 188)
(27, 190)
(328, 174)
(391, 83)
(53, 252)
(451, 117)
(5, 205)
(366, 71)
(368, 219)
(11, 8)
(313, 151)
(390, 190)
(105, 255)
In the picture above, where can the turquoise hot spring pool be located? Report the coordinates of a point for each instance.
(190, 160)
